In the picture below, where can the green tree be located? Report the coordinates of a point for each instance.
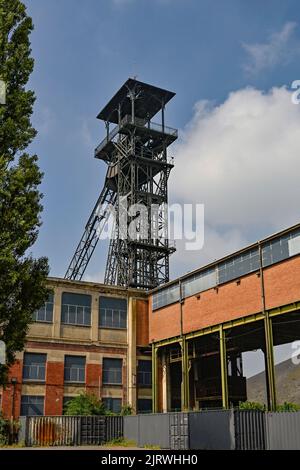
(84, 405)
(22, 278)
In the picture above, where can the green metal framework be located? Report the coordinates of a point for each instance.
(221, 329)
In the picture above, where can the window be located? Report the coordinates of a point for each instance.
(281, 248)
(65, 402)
(32, 405)
(34, 366)
(112, 371)
(76, 309)
(166, 296)
(112, 313)
(238, 266)
(144, 405)
(75, 369)
(144, 373)
(113, 404)
(199, 282)
(45, 313)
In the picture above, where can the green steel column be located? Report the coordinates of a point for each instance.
(224, 375)
(154, 378)
(185, 399)
(270, 372)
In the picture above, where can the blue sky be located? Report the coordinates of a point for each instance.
(84, 51)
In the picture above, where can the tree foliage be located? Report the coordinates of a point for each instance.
(22, 277)
(85, 405)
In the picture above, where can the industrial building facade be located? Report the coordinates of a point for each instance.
(98, 338)
(87, 337)
(201, 324)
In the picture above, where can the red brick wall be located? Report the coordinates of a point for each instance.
(227, 302)
(93, 379)
(16, 372)
(282, 283)
(142, 323)
(54, 388)
(164, 323)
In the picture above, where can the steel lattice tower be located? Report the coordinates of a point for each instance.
(135, 151)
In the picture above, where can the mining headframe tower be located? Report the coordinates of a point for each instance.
(138, 169)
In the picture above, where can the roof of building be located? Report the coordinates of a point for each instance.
(147, 105)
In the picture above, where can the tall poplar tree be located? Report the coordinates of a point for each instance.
(22, 277)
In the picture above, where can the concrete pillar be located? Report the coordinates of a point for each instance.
(154, 379)
(165, 383)
(131, 354)
(57, 312)
(95, 318)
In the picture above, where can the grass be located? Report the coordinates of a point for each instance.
(120, 442)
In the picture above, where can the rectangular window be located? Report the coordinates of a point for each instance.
(65, 402)
(45, 313)
(112, 371)
(112, 313)
(34, 366)
(32, 405)
(144, 405)
(199, 282)
(75, 369)
(76, 309)
(113, 404)
(144, 373)
(166, 296)
(238, 266)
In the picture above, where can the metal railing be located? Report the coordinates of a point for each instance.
(138, 122)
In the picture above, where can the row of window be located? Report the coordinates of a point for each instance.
(274, 251)
(34, 368)
(34, 405)
(76, 310)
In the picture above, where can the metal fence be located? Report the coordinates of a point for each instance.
(250, 429)
(70, 430)
(212, 430)
(283, 431)
(216, 430)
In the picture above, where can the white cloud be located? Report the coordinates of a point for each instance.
(280, 48)
(242, 160)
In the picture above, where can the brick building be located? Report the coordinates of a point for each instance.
(87, 337)
(98, 338)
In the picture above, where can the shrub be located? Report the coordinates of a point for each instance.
(126, 410)
(288, 407)
(251, 405)
(85, 405)
(4, 431)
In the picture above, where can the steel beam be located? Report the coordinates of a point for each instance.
(269, 360)
(154, 379)
(224, 372)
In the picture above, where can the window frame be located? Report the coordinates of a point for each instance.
(86, 311)
(78, 369)
(38, 365)
(32, 404)
(112, 370)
